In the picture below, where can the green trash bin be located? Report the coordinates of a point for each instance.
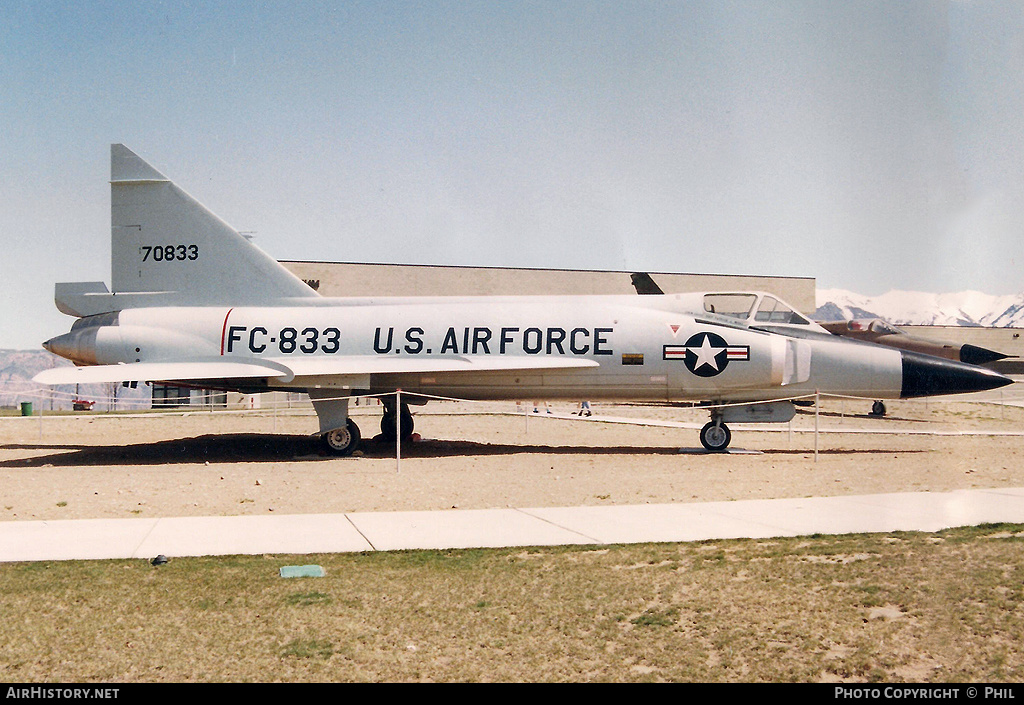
(26, 408)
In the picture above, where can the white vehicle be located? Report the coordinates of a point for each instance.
(194, 302)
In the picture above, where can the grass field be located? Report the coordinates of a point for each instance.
(900, 607)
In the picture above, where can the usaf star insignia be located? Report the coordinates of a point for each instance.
(706, 354)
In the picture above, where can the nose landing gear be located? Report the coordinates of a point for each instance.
(715, 436)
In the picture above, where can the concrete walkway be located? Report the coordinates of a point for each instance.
(467, 528)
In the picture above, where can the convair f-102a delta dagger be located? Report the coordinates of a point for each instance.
(192, 302)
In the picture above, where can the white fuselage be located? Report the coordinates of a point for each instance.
(587, 347)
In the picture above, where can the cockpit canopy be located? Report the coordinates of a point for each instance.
(753, 308)
(872, 325)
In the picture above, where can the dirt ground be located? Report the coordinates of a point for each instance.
(486, 455)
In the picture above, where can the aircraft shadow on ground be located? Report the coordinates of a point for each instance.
(257, 448)
(871, 417)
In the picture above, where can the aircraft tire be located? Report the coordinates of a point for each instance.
(715, 437)
(342, 441)
(878, 409)
(387, 424)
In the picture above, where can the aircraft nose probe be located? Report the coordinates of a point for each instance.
(925, 376)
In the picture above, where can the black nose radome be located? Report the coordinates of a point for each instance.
(978, 356)
(926, 376)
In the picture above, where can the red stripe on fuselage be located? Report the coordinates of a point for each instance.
(224, 330)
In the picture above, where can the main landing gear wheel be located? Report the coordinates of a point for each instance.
(878, 409)
(715, 436)
(387, 423)
(342, 441)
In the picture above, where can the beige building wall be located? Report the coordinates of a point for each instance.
(346, 279)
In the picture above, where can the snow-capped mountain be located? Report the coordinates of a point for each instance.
(967, 308)
(17, 367)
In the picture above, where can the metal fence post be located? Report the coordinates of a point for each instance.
(398, 431)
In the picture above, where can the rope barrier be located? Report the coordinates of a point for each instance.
(46, 395)
(187, 407)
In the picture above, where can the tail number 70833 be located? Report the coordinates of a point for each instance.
(169, 253)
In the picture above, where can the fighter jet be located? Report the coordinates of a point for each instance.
(875, 330)
(193, 302)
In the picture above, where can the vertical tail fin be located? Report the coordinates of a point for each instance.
(167, 249)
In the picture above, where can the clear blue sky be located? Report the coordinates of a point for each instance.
(872, 145)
